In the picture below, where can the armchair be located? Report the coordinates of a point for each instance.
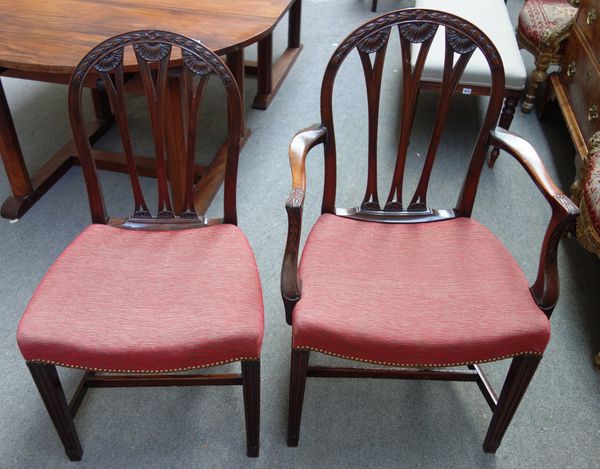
(400, 284)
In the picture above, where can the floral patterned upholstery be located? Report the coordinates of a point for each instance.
(588, 224)
(542, 21)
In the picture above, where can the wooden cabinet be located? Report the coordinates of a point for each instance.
(577, 86)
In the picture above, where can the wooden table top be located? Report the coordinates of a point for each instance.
(53, 36)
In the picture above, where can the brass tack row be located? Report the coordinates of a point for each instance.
(172, 370)
(426, 365)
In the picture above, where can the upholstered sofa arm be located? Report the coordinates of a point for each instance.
(564, 212)
(301, 144)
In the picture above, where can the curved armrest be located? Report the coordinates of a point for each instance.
(301, 144)
(545, 289)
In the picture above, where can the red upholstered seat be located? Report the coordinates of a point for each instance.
(426, 294)
(124, 300)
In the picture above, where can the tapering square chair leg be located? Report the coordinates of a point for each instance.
(297, 384)
(519, 375)
(48, 383)
(251, 386)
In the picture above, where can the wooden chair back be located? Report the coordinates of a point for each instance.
(415, 26)
(159, 55)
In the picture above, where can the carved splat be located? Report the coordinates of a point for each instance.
(373, 70)
(153, 51)
(415, 26)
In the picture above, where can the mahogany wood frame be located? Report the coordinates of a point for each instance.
(153, 51)
(26, 188)
(370, 41)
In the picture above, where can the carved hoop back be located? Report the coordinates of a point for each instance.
(194, 65)
(414, 26)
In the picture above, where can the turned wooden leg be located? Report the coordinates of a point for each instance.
(374, 6)
(251, 387)
(297, 384)
(508, 112)
(48, 383)
(538, 76)
(519, 375)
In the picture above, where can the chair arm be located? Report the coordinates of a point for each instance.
(545, 289)
(301, 144)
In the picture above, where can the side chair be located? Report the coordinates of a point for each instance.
(396, 283)
(542, 28)
(133, 300)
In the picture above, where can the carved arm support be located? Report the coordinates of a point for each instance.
(545, 289)
(301, 144)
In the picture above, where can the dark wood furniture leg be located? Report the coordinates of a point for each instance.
(298, 373)
(48, 383)
(508, 112)
(374, 6)
(519, 375)
(14, 164)
(26, 189)
(251, 389)
(101, 104)
(175, 136)
(213, 176)
(270, 76)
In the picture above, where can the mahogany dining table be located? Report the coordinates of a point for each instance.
(45, 40)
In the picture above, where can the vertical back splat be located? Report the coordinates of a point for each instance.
(115, 89)
(417, 30)
(455, 43)
(194, 86)
(377, 43)
(161, 72)
(410, 33)
(155, 81)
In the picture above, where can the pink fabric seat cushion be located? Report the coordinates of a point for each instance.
(428, 294)
(132, 301)
(541, 21)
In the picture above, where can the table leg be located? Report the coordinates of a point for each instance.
(14, 164)
(213, 177)
(101, 104)
(270, 76)
(175, 140)
(295, 17)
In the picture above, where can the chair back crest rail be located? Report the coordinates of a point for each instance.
(159, 55)
(414, 26)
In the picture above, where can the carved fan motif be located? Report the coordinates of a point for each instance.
(152, 51)
(195, 64)
(417, 32)
(374, 42)
(459, 43)
(110, 61)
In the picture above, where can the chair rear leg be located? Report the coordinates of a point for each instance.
(297, 384)
(374, 6)
(251, 387)
(519, 375)
(48, 383)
